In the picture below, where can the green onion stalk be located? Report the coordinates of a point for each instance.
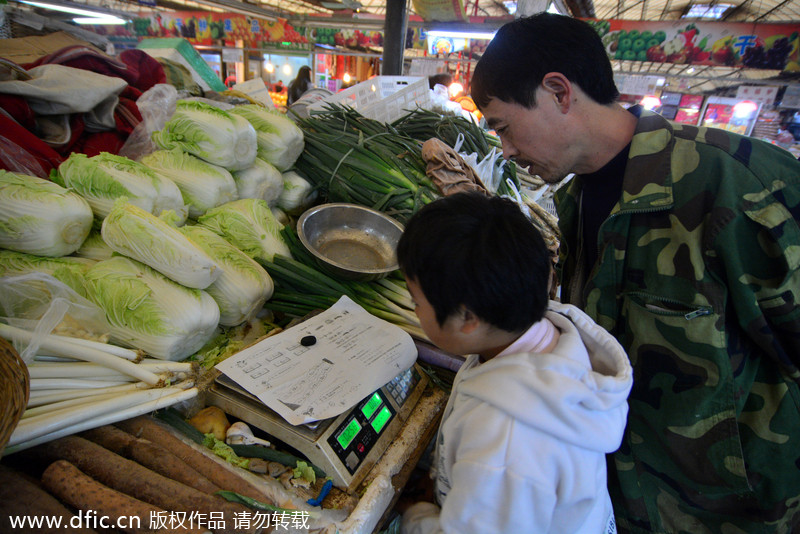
(350, 158)
(301, 287)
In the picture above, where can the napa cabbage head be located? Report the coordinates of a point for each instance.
(262, 180)
(203, 185)
(248, 223)
(297, 193)
(280, 140)
(209, 133)
(133, 232)
(40, 217)
(148, 311)
(104, 178)
(243, 285)
(69, 270)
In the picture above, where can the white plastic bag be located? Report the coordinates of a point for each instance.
(39, 303)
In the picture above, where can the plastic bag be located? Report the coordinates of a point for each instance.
(156, 105)
(488, 169)
(39, 303)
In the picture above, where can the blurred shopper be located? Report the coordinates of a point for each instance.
(299, 85)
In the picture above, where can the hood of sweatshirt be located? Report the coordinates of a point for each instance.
(577, 393)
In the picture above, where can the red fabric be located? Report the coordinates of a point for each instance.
(23, 152)
(92, 144)
(18, 108)
(87, 58)
(150, 70)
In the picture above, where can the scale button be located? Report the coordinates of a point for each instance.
(360, 448)
(351, 461)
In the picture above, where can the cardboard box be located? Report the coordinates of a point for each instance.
(23, 50)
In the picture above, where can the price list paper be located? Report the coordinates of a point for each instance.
(323, 366)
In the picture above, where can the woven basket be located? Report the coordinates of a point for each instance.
(14, 390)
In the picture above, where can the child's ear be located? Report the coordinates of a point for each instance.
(469, 321)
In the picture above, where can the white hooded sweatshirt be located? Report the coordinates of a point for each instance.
(522, 442)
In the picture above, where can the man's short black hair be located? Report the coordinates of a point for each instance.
(481, 253)
(523, 51)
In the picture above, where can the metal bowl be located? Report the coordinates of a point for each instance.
(350, 241)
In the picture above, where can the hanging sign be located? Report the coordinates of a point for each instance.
(440, 10)
(758, 46)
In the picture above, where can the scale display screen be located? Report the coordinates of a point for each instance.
(346, 436)
(355, 437)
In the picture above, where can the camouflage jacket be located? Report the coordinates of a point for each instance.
(698, 277)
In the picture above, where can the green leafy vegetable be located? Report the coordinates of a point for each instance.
(209, 133)
(104, 178)
(248, 224)
(148, 311)
(297, 194)
(142, 236)
(224, 451)
(243, 285)
(280, 141)
(262, 180)
(202, 184)
(40, 217)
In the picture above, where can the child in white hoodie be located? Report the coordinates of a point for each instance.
(542, 395)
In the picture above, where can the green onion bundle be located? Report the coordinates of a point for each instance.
(301, 287)
(350, 158)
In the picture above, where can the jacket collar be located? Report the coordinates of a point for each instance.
(647, 184)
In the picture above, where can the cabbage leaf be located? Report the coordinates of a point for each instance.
(280, 140)
(262, 180)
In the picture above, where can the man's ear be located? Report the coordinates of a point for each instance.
(559, 87)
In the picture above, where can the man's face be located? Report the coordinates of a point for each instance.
(533, 137)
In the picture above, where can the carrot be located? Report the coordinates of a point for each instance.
(116, 509)
(21, 496)
(150, 429)
(137, 481)
(150, 455)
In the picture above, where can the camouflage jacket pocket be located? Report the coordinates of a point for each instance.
(682, 421)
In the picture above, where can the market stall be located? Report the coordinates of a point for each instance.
(151, 284)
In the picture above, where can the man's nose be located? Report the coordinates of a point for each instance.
(509, 150)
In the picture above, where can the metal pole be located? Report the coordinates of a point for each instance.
(394, 37)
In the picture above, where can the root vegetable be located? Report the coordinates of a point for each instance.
(150, 455)
(150, 429)
(84, 493)
(139, 482)
(21, 496)
(211, 420)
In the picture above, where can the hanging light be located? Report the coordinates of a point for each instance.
(269, 67)
(650, 102)
(286, 69)
(455, 88)
(743, 109)
(346, 77)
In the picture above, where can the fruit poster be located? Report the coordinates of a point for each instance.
(758, 46)
(209, 28)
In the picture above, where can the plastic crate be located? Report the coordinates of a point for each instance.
(383, 98)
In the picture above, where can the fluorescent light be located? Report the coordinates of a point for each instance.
(110, 20)
(707, 11)
(461, 35)
(65, 9)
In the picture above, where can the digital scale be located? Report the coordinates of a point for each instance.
(346, 447)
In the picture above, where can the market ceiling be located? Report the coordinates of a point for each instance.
(358, 13)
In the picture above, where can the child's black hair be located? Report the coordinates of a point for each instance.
(479, 252)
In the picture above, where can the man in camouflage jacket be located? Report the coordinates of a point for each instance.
(699, 279)
(695, 268)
